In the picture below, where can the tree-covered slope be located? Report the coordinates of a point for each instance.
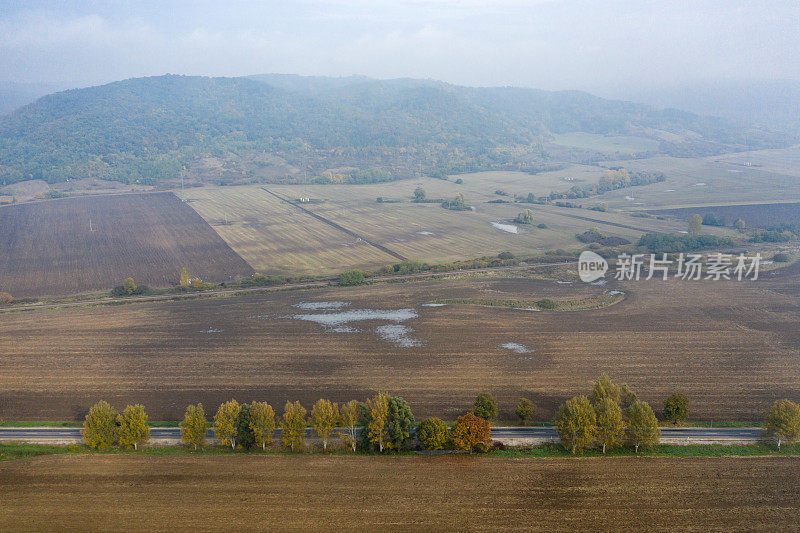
(148, 129)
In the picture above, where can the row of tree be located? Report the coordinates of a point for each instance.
(611, 416)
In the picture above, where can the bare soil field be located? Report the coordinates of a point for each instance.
(279, 492)
(75, 245)
(754, 215)
(732, 347)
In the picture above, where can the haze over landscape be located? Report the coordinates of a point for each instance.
(249, 250)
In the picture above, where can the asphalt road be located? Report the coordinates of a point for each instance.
(668, 434)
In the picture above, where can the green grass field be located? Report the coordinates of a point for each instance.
(622, 144)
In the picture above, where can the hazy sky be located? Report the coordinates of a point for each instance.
(604, 46)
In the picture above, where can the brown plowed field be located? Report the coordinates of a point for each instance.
(279, 492)
(732, 347)
(75, 245)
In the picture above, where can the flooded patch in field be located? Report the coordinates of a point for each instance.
(398, 335)
(599, 282)
(614, 293)
(670, 190)
(559, 282)
(516, 347)
(526, 309)
(630, 198)
(700, 184)
(508, 228)
(321, 306)
(424, 233)
(333, 320)
(433, 305)
(212, 330)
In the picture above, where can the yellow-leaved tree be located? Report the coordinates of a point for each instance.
(133, 427)
(184, 280)
(194, 426)
(324, 416)
(225, 423)
(378, 410)
(100, 430)
(610, 425)
(262, 422)
(349, 417)
(293, 425)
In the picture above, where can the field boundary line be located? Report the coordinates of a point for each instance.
(337, 226)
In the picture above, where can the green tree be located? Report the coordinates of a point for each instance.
(194, 426)
(262, 423)
(610, 426)
(419, 194)
(676, 409)
(627, 396)
(6, 298)
(485, 406)
(351, 278)
(100, 430)
(576, 424)
(642, 426)
(740, 225)
(133, 427)
(293, 425)
(471, 432)
(399, 424)
(783, 422)
(324, 416)
(378, 413)
(244, 432)
(694, 225)
(432, 433)
(525, 217)
(130, 286)
(225, 423)
(524, 410)
(604, 388)
(349, 417)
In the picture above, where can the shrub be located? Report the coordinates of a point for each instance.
(505, 256)
(351, 277)
(676, 409)
(526, 217)
(6, 298)
(781, 257)
(485, 406)
(542, 226)
(432, 433)
(546, 303)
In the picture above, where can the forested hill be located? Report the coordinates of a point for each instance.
(150, 129)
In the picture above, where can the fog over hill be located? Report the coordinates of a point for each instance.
(149, 129)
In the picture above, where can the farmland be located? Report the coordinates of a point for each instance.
(278, 238)
(463, 493)
(82, 244)
(705, 339)
(614, 144)
(755, 215)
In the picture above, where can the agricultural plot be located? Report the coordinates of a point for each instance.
(80, 492)
(754, 215)
(277, 238)
(82, 244)
(702, 181)
(784, 161)
(705, 339)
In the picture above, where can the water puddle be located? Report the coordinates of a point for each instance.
(438, 305)
(424, 233)
(508, 228)
(516, 347)
(321, 306)
(398, 335)
(333, 320)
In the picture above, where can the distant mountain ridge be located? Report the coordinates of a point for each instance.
(150, 129)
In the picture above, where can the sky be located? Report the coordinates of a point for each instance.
(606, 47)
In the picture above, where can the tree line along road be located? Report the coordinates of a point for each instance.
(508, 434)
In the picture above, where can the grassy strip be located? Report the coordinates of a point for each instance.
(73, 424)
(581, 304)
(10, 452)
